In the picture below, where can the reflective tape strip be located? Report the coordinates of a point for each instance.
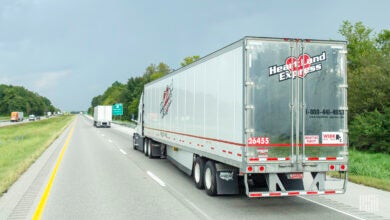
(255, 159)
(294, 193)
(323, 158)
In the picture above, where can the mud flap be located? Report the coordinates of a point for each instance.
(227, 180)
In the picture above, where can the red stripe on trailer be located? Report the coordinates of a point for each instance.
(239, 155)
(311, 193)
(254, 159)
(212, 148)
(330, 192)
(293, 193)
(275, 194)
(323, 145)
(331, 158)
(224, 151)
(296, 145)
(200, 137)
(229, 152)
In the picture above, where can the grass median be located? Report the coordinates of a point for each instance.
(22, 144)
(370, 169)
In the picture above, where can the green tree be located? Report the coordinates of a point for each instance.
(368, 68)
(368, 90)
(189, 60)
(17, 98)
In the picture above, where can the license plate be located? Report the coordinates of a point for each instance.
(294, 176)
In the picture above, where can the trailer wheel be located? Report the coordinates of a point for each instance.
(134, 143)
(150, 149)
(210, 178)
(146, 147)
(198, 174)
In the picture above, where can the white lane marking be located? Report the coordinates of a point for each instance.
(122, 151)
(198, 209)
(155, 178)
(110, 140)
(334, 209)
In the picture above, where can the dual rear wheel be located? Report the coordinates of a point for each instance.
(205, 175)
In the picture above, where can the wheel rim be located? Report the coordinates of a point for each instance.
(207, 178)
(145, 143)
(149, 151)
(197, 173)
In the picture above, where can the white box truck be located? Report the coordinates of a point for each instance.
(264, 116)
(102, 116)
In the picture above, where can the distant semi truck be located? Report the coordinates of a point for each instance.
(267, 114)
(16, 116)
(102, 116)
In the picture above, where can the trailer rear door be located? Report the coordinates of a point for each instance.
(295, 94)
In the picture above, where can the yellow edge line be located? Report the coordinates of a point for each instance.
(45, 196)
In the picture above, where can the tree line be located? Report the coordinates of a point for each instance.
(129, 94)
(368, 87)
(17, 98)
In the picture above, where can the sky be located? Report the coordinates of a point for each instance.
(72, 50)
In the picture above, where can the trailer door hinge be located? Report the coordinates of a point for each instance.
(249, 107)
(249, 130)
(249, 83)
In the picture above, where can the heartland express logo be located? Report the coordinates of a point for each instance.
(166, 100)
(300, 66)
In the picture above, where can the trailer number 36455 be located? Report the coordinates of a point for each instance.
(258, 141)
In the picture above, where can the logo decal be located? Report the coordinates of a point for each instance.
(227, 176)
(166, 100)
(300, 66)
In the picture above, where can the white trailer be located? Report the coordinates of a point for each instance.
(102, 116)
(268, 113)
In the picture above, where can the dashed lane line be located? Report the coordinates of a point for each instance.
(155, 178)
(122, 151)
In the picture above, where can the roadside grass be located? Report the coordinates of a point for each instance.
(4, 118)
(370, 169)
(22, 144)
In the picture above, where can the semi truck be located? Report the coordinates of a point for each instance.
(102, 116)
(262, 116)
(16, 116)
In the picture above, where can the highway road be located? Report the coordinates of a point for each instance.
(100, 176)
(7, 122)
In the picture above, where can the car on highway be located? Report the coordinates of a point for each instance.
(31, 118)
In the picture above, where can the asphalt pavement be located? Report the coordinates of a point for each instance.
(101, 177)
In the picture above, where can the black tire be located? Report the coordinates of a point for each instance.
(134, 148)
(210, 178)
(146, 147)
(198, 172)
(150, 150)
